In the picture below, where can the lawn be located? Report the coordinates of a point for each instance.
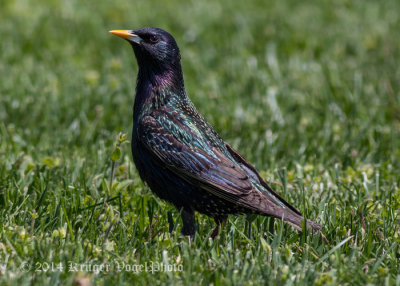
(308, 91)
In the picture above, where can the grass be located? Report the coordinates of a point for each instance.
(308, 91)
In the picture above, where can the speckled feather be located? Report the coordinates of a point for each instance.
(181, 157)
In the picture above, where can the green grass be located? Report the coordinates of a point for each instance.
(309, 91)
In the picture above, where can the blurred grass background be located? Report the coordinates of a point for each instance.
(308, 91)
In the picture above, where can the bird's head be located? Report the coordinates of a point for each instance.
(153, 47)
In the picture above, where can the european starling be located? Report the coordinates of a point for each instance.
(180, 156)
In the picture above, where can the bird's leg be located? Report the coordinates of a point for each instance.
(249, 219)
(220, 221)
(188, 228)
(215, 231)
(170, 221)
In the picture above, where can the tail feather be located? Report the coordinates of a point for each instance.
(268, 202)
(268, 205)
(296, 221)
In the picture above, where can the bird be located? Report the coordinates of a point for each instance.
(180, 156)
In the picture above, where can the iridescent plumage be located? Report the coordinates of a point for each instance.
(179, 155)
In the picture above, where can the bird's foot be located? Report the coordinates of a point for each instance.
(215, 232)
(220, 221)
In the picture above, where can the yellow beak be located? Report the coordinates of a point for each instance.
(125, 34)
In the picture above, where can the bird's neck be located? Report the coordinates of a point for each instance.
(153, 82)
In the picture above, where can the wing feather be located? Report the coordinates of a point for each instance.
(215, 173)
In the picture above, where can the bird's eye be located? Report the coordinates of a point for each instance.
(154, 39)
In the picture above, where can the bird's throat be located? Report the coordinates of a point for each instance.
(152, 84)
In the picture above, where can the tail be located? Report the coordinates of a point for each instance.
(277, 207)
(269, 205)
(296, 221)
(273, 205)
(268, 202)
